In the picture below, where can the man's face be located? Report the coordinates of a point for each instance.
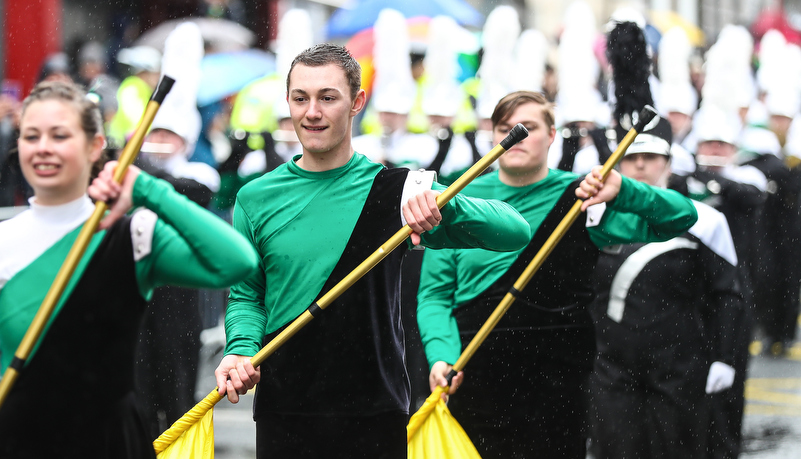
(650, 168)
(780, 124)
(714, 153)
(529, 156)
(393, 122)
(321, 108)
(169, 142)
(680, 123)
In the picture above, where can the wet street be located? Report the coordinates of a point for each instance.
(772, 426)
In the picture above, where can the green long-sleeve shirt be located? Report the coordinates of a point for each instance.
(300, 221)
(449, 278)
(189, 247)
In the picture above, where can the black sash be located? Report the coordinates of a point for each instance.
(350, 359)
(74, 398)
(557, 296)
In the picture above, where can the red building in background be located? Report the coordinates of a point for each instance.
(34, 29)
(31, 31)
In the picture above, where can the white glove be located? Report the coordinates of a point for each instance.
(721, 377)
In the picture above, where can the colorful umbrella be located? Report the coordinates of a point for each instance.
(224, 74)
(665, 20)
(361, 46)
(347, 22)
(221, 35)
(775, 19)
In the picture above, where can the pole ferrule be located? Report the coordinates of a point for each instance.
(163, 88)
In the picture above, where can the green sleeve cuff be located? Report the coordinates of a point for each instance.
(479, 223)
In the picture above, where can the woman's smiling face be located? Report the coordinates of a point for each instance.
(56, 156)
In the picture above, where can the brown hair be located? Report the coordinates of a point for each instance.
(328, 53)
(88, 111)
(509, 103)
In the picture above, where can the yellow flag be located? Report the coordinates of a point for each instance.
(433, 433)
(192, 436)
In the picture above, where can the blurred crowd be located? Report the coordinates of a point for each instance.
(732, 104)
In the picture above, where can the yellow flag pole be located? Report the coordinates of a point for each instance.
(517, 134)
(79, 246)
(645, 117)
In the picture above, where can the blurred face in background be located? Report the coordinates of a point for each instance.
(714, 154)
(680, 124)
(650, 168)
(393, 122)
(161, 145)
(780, 124)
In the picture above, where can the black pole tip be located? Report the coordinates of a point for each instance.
(453, 373)
(162, 89)
(647, 115)
(518, 133)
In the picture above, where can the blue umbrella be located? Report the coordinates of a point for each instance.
(224, 74)
(346, 22)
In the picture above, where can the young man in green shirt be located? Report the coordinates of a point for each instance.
(523, 393)
(339, 387)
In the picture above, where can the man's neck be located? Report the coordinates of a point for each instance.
(519, 180)
(321, 162)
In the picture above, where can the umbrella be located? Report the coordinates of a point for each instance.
(188, 425)
(429, 429)
(346, 22)
(665, 20)
(775, 19)
(221, 35)
(361, 46)
(223, 74)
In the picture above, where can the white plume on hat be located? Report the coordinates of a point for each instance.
(140, 58)
(718, 118)
(501, 30)
(295, 35)
(759, 140)
(183, 51)
(771, 50)
(578, 98)
(722, 80)
(714, 123)
(626, 14)
(531, 54)
(739, 41)
(394, 88)
(677, 92)
(783, 85)
(442, 95)
(578, 15)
